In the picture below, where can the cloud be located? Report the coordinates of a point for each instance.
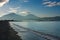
(3, 2)
(20, 12)
(58, 3)
(25, 0)
(10, 10)
(2, 13)
(13, 10)
(51, 4)
(24, 13)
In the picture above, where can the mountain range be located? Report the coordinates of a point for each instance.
(14, 16)
(29, 17)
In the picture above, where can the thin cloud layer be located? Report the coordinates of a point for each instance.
(24, 13)
(50, 3)
(13, 10)
(3, 2)
(25, 0)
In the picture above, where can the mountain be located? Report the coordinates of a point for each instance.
(11, 16)
(31, 17)
(14, 16)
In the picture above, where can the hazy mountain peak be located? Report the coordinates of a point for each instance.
(14, 16)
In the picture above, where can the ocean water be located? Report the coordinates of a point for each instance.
(51, 27)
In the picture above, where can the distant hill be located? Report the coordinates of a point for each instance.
(14, 16)
(56, 18)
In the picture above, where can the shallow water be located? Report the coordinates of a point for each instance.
(52, 28)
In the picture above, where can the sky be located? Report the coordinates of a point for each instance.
(40, 8)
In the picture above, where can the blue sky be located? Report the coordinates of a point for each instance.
(40, 8)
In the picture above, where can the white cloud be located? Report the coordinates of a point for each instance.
(25, 0)
(10, 10)
(24, 13)
(13, 10)
(2, 13)
(3, 2)
(51, 4)
(58, 3)
(22, 1)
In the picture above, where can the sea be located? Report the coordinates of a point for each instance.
(48, 27)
